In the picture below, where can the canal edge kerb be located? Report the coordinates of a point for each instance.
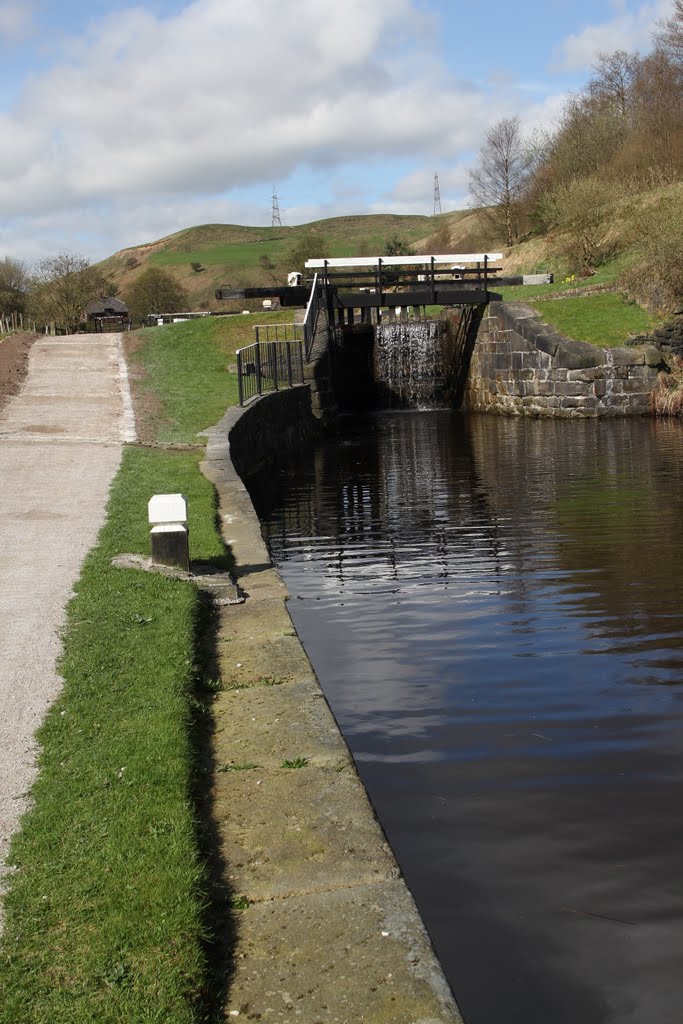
(326, 917)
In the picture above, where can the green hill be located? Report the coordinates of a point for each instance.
(235, 255)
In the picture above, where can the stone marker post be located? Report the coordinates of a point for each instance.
(169, 533)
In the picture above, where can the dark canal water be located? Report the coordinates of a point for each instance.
(494, 610)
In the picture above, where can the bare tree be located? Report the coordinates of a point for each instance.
(669, 34)
(63, 287)
(499, 180)
(616, 73)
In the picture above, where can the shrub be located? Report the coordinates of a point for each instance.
(656, 277)
(578, 210)
(667, 395)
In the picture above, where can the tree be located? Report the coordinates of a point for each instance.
(14, 286)
(616, 73)
(578, 209)
(310, 246)
(499, 181)
(396, 246)
(155, 291)
(63, 287)
(669, 35)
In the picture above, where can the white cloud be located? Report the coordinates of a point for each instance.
(222, 95)
(144, 124)
(628, 30)
(16, 20)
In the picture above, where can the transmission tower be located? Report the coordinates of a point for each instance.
(437, 195)
(277, 219)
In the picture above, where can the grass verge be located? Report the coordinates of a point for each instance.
(185, 367)
(105, 914)
(604, 319)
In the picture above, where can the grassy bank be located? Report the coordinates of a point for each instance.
(604, 319)
(105, 914)
(185, 369)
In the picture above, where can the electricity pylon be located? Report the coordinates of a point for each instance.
(276, 219)
(437, 195)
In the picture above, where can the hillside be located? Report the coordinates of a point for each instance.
(231, 254)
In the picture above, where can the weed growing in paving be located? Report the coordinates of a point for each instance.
(296, 762)
(247, 767)
(270, 681)
(105, 910)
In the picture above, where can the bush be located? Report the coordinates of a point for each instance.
(578, 210)
(656, 277)
(667, 396)
(155, 291)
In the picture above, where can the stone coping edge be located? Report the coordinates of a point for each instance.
(414, 989)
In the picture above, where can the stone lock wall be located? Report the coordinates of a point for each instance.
(522, 366)
(268, 429)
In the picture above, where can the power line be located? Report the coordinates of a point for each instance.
(276, 218)
(437, 195)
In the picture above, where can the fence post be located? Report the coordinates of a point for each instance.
(289, 363)
(257, 366)
(240, 383)
(273, 362)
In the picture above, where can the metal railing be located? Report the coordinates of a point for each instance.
(269, 365)
(316, 303)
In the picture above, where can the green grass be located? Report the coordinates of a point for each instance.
(186, 367)
(608, 274)
(236, 254)
(105, 912)
(604, 319)
(295, 762)
(236, 248)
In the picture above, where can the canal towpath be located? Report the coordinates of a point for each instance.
(61, 440)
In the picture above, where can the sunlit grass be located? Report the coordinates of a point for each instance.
(604, 319)
(105, 913)
(186, 368)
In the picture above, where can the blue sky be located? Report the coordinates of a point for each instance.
(124, 122)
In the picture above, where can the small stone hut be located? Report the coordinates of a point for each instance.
(107, 314)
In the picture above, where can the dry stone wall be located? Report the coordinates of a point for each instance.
(523, 366)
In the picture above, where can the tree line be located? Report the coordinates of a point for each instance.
(608, 177)
(56, 292)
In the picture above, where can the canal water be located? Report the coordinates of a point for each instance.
(493, 608)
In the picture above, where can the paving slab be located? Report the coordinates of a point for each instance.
(373, 961)
(293, 831)
(60, 447)
(286, 721)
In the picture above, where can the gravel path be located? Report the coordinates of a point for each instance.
(60, 446)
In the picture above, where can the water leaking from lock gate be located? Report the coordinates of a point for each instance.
(493, 609)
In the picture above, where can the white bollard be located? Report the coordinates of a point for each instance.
(169, 534)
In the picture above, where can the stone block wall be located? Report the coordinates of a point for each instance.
(268, 429)
(521, 366)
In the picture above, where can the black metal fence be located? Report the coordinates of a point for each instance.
(269, 365)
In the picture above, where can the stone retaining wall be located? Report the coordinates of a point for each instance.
(259, 433)
(523, 366)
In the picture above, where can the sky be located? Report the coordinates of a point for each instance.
(122, 122)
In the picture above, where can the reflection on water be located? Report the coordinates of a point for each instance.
(494, 612)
